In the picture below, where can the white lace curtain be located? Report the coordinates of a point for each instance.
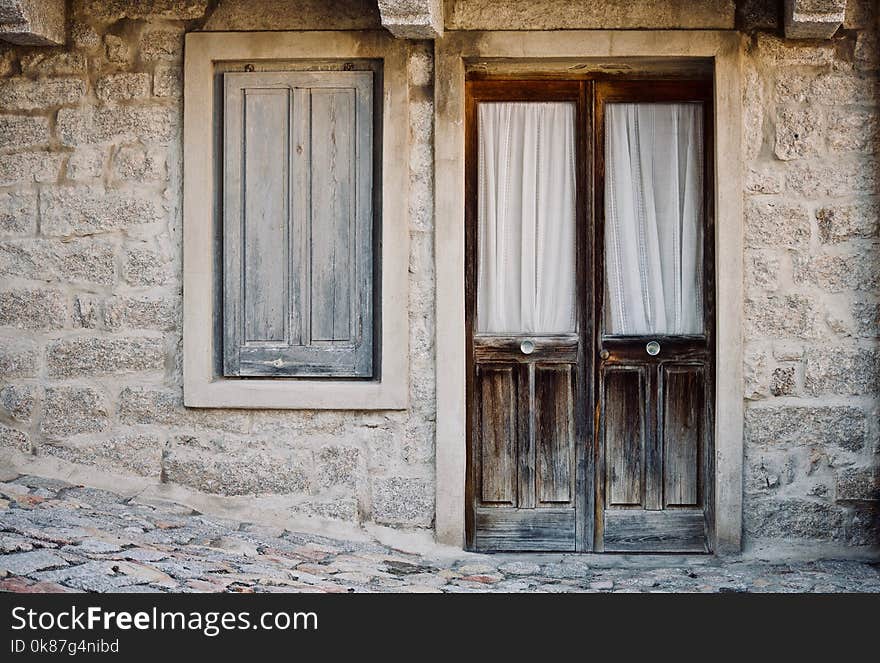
(526, 218)
(653, 218)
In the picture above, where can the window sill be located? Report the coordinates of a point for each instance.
(296, 394)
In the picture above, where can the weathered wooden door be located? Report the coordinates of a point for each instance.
(589, 358)
(528, 328)
(654, 317)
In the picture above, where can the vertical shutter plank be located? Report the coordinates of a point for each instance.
(233, 139)
(265, 191)
(332, 214)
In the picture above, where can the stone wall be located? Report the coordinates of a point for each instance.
(90, 267)
(812, 267)
(90, 272)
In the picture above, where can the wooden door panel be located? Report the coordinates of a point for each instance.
(496, 389)
(624, 436)
(683, 399)
(635, 530)
(525, 530)
(554, 433)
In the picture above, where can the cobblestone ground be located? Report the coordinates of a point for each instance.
(57, 537)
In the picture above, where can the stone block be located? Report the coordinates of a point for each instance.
(144, 267)
(338, 466)
(792, 519)
(756, 374)
(86, 261)
(18, 213)
(74, 410)
(141, 313)
(90, 124)
(45, 62)
(753, 112)
(773, 50)
(842, 371)
(104, 355)
(140, 164)
(851, 130)
(763, 180)
(23, 131)
(838, 273)
(859, 484)
(29, 167)
(403, 501)
(840, 426)
(117, 49)
(846, 221)
(27, 94)
(609, 14)
(224, 466)
(168, 81)
(77, 261)
(813, 19)
(18, 401)
(420, 67)
(161, 45)
(783, 382)
(86, 163)
(84, 36)
(86, 210)
(33, 309)
(762, 272)
(32, 23)
(780, 316)
(866, 317)
(10, 438)
(86, 312)
(141, 405)
(772, 223)
(832, 178)
(135, 453)
(115, 87)
(798, 133)
(110, 11)
(18, 358)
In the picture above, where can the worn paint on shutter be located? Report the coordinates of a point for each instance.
(298, 224)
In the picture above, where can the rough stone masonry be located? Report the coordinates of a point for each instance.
(90, 272)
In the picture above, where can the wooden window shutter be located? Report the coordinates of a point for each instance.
(298, 224)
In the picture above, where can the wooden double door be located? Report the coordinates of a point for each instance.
(590, 316)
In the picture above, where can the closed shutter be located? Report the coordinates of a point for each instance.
(298, 224)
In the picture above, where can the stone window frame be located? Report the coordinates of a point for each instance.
(203, 386)
(453, 54)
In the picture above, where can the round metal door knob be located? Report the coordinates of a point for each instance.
(604, 355)
(527, 347)
(653, 348)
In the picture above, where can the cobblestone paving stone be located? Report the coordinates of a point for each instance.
(57, 537)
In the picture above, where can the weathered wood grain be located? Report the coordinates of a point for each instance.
(298, 224)
(672, 530)
(525, 530)
(624, 405)
(498, 434)
(554, 433)
(683, 395)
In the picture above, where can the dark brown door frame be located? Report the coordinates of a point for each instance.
(590, 95)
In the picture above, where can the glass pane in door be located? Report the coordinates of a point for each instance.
(526, 218)
(654, 218)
